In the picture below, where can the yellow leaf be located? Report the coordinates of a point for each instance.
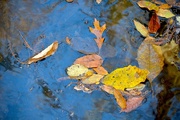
(78, 71)
(150, 57)
(90, 61)
(141, 28)
(100, 70)
(50, 50)
(148, 5)
(107, 89)
(98, 31)
(126, 77)
(121, 101)
(165, 13)
(94, 79)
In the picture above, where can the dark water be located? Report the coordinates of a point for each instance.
(32, 91)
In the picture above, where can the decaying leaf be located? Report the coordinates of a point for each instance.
(82, 87)
(50, 50)
(154, 23)
(150, 57)
(121, 101)
(94, 79)
(165, 13)
(107, 89)
(100, 70)
(139, 87)
(126, 77)
(164, 6)
(132, 103)
(141, 28)
(78, 71)
(90, 61)
(98, 1)
(98, 31)
(148, 5)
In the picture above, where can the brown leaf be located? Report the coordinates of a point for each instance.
(154, 23)
(132, 104)
(141, 28)
(100, 70)
(90, 61)
(107, 89)
(98, 31)
(50, 50)
(121, 101)
(150, 57)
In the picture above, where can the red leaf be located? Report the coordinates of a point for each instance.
(154, 23)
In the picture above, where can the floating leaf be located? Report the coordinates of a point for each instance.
(94, 79)
(165, 13)
(132, 103)
(141, 28)
(98, 31)
(154, 23)
(164, 6)
(78, 71)
(107, 89)
(148, 5)
(90, 61)
(50, 50)
(98, 1)
(126, 77)
(150, 57)
(100, 70)
(121, 101)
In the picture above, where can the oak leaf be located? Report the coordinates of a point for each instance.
(148, 5)
(100, 70)
(165, 13)
(154, 23)
(90, 61)
(150, 57)
(50, 50)
(121, 101)
(126, 77)
(141, 28)
(98, 31)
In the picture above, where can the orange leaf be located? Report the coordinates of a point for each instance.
(100, 70)
(98, 31)
(164, 6)
(154, 23)
(90, 61)
(132, 104)
(121, 101)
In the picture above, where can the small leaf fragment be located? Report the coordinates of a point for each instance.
(68, 41)
(90, 61)
(141, 28)
(150, 57)
(164, 6)
(100, 70)
(94, 79)
(50, 50)
(148, 5)
(132, 104)
(165, 13)
(107, 89)
(82, 87)
(126, 77)
(138, 87)
(121, 101)
(154, 23)
(98, 1)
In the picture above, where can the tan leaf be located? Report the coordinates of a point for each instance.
(94, 79)
(150, 57)
(90, 61)
(148, 5)
(100, 70)
(164, 6)
(50, 50)
(98, 1)
(141, 28)
(68, 41)
(107, 89)
(121, 101)
(132, 104)
(165, 13)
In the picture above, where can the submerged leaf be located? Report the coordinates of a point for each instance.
(107, 89)
(132, 104)
(154, 24)
(150, 57)
(141, 28)
(165, 13)
(94, 79)
(148, 5)
(90, 61)
(126, 77)
(50, 50)
(121, 101)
